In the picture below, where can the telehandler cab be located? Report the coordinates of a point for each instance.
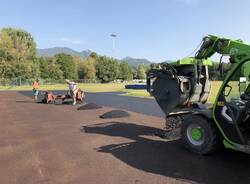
(182, 89)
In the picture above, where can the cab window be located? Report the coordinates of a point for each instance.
(238, 83)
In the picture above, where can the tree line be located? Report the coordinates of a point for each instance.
(18, 59)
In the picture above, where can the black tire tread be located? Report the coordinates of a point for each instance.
(213, 142)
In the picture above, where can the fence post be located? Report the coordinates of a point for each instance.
(20, 83)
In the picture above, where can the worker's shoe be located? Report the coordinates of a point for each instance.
(74, 103)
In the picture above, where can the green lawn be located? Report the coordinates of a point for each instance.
(137, 93)
(110, 87)
(214, 90)
(143, 93)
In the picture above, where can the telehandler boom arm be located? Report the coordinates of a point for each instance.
(236, 49)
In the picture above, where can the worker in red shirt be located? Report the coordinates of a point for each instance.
(35, 89)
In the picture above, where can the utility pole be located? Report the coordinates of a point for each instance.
(113, 44)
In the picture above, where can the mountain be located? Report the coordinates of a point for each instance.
(50, 52)
(85, 53)
(168, 61)
(135, 61)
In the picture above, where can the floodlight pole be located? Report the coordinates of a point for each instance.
(113, 44)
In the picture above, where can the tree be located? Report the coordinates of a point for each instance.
(17, 54)
(134, 71)
(107, 69)
(141, 71)
(214, 73)
(6, 71)
(17, 45)
(67, 65)
(11, 70)
(93, 55)
(23, 70)
(154, 65)
(49, 69)
(125, 71)
(43, 67)
(54, 71)
(87, 70)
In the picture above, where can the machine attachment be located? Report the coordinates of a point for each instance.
(50, 98)
(179, 85)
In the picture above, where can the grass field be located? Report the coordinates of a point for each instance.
(143, 93)
(110, 87)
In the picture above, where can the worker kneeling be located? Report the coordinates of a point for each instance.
(72, 90)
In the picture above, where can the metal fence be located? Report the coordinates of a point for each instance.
(25, 82)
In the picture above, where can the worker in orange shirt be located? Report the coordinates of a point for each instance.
(35, 89)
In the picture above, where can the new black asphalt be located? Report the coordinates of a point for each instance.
(116, 100)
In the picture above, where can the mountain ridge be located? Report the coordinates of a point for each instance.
(50, 52)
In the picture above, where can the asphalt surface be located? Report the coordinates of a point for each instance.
(54, 144)
(115, 100)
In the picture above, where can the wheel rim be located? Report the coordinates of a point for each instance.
(195, 134)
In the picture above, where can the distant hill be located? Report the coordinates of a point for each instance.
(85, 53)
(135, 62)
(50, 52)
(168, 61)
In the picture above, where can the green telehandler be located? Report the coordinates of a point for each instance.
(182, 90)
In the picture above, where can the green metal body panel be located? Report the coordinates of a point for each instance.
(196, 134)
(193, 61)
(240, 53)
(228, 145)
(246, 70)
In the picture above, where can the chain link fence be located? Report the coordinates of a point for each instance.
(28, 82)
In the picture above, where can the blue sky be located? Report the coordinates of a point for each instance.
(154, 29)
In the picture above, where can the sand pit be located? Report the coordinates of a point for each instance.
(89, 106)
(115, 114)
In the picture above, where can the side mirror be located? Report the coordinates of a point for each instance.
(227, 90)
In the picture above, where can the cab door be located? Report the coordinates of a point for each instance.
(230, 109)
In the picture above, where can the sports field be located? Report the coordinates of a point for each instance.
(109, 87)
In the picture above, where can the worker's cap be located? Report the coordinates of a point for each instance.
(67, 80)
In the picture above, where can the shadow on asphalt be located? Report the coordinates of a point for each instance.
(170, 158)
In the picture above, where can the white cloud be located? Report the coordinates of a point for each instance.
(70, 40)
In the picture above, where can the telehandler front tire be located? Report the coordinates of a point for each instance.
(199, 135)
